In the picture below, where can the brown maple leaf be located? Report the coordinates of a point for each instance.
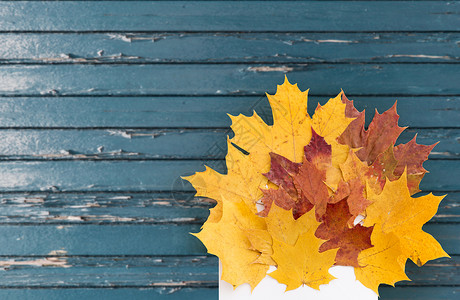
(281, 171)
(383, 132)
(305, 183)
(353, 192)
(350, 241)
(310, 182)
(383, 166)
(350, 110)
(299, 205)
(318, 152)
(412, 156)
(374, 147)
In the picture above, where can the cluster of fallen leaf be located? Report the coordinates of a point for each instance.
(317, 192)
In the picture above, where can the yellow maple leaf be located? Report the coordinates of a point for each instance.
(381, 263)
(282, 226)
(301, 263)
(227, 239)
(329, 121)
(395, 211)
(261, 241)
(287, 136)
(233, 185)
(353, 168)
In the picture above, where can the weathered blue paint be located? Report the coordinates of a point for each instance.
(102, 48)
(201, 112)
(230, 16)
(228, 79)
(174, 207)
(114, 293)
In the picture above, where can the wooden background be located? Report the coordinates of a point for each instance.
(103, 105)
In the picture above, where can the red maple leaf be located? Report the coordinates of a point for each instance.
(350, 241)
(383, 132)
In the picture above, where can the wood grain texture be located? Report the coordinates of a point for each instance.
(229, 16)
(165, 272)
(115, 293)
(105, 208)
(222, 47)
(232, 79)
(156, 208)
(200, 112)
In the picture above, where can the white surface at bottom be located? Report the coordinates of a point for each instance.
(344, 287)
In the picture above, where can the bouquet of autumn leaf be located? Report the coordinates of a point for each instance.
(313, 192)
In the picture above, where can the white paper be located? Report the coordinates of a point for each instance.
(344, 287)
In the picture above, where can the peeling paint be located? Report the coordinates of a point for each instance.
(167, 203)
(271, 69)
(60, 227)
(66, 58)
(135, 37)
(65, 218)
(121, 197)
(42, 262)
(119, 36)
(446, 216)
(168, 291)
(132, 133)
(34, 200)
(179, 283)
(73, 155)
(447, 154)
(57, 252)
(421, 56)
(185, 220)
(121, 133)
(331, 41)
(107, 218)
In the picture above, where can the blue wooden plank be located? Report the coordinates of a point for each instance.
(100, 240)
(135, 208)
(137, 239)
(109, 271)
(202, 112)
(103, 208)
(53, 48)
(235, 16)
(152, 175)
(191, 79)
(420, 292)
(137, 144)
(145, 293)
